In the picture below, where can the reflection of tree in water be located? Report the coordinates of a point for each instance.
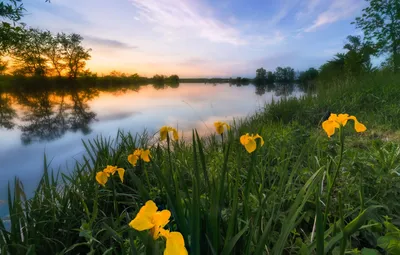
(284, 89)
(261, 89)
(49, 116)
(80, 116)
(160, 85)
(7, 113)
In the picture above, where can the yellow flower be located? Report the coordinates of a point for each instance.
(139, 153)
(249, 142)
(175, 244)
(165, 130)
(337, 121)
(102, 177)
(149, 218)
(219, 127)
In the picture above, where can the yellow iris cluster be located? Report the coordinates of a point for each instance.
(149, 218)
(102, 176)
(139, 153)
(337, 121)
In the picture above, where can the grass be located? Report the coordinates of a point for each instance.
(300, 193)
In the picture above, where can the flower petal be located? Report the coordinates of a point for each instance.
(138, 152)
(219, 127)
(163, 133)
(359, 127)
(145, 155)
(261, 139)
(175, 244)
(143, 219)
(133, 159)
(110, 169)
(333, 117)
(342, 119)
(329, 127)
(160, 219)
(102, 178)
(121, 173)
(175, 134)
(244, 139)
(251, 145)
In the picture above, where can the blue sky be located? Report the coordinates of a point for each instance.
(194, 38)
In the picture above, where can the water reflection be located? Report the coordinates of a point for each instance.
(7, 113)
(48, 114)
(55, 120)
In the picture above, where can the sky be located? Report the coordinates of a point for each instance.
(208, 38)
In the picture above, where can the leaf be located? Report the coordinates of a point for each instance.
(367, 251)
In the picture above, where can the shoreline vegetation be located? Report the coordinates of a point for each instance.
(300, 177)
(224, 199)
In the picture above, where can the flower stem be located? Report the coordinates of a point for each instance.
(248, 182)
(341, 137)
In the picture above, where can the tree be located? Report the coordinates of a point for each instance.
(173, 79)
(358, 58)
(74, 54)
(261, 76)
(11, 11)
(333, 68)
(285, 74)
(54, 54)
(309, 75)
(270, 77)
(380, 22)
(29, 54)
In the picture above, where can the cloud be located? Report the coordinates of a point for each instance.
(282, 13)
(309, 9)
(185, 17)
(338, 10)
(109, 43)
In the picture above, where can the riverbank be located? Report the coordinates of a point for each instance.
(226, 200)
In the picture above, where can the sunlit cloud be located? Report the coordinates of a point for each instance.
(338, 10)
(182, 17)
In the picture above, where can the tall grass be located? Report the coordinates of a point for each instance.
(300, 193)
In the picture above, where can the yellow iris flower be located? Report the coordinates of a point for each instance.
(175, 244)
(102, 176)
(219, 127)
(148, 218)
(249, 142)
(337, 121)
(139, 153)
(165, 130)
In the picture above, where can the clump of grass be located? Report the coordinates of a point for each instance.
(300, 193)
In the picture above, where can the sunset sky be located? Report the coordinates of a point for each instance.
(194, 38)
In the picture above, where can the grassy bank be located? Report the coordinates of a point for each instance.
(299, 193)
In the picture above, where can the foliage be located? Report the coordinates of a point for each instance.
(224, 200)
(380, 24)
(284, 74)
(309, 75)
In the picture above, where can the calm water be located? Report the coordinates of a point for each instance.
(34, 123)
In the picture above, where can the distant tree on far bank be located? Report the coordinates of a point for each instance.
(284, 74)
(172, 79)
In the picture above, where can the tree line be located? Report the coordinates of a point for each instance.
(35, 52)
(380, 23)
